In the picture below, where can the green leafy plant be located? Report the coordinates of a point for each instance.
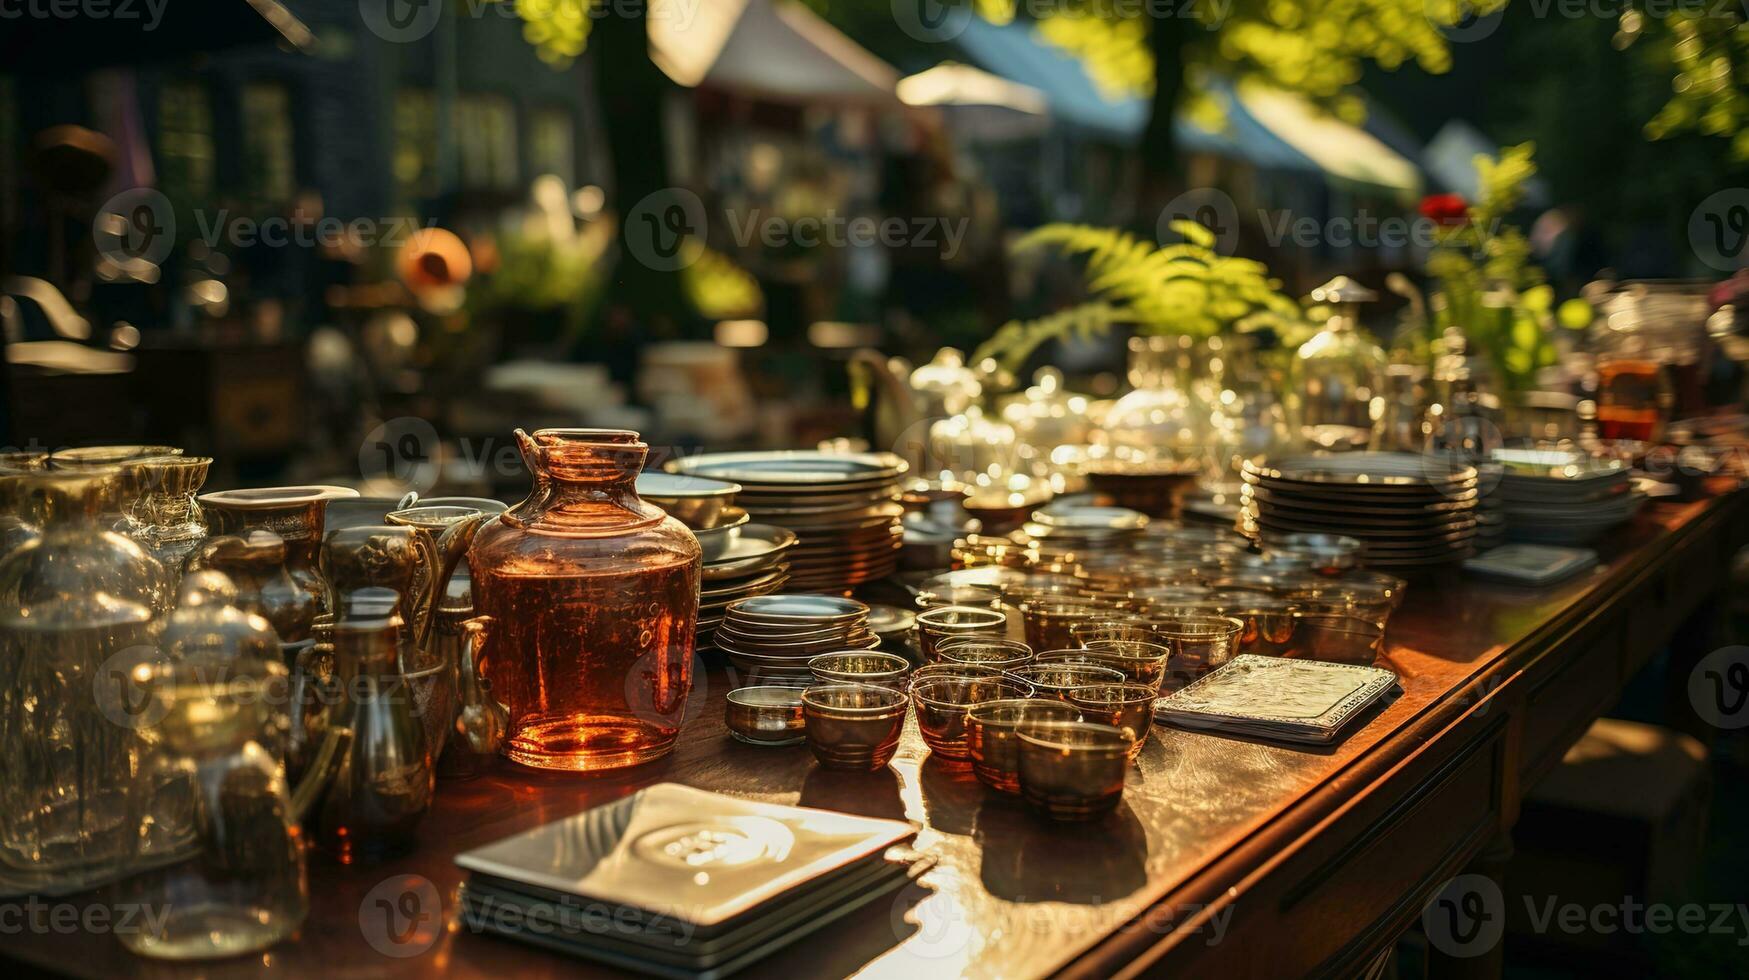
(1484, 282)
(1185, 288)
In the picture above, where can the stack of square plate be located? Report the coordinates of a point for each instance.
(1564, 498)
(679, 882)
(843, 506)
(1278, 699)
(754, 564)
(1408, 511)
(775, 635)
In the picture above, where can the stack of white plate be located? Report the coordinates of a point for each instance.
(843, 506)
(1564, 498)
(1407, 511)
(774, 636)
(753, 564)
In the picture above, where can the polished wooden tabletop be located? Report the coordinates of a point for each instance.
(1009, 895)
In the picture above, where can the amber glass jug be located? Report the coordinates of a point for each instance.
(593, 595)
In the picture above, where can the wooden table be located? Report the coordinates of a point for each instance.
(1228, 855)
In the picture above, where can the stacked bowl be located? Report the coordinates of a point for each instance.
(843, 507)
(774, 636)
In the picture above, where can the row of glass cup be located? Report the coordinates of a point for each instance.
(1058, 729)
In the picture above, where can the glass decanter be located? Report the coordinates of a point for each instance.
(383, 782)
(1341, 373)
(76, 609)
(593, 599)
(241, 886)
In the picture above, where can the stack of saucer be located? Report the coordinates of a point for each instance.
(1067, 526)
(754, 564)
(1408, 511)
(774, 635)
(843, 506)
(1564, 498)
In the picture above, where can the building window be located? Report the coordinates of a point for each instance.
(185, 140)
(415, 145)
(268, 164)
(485, 134)
(551, 148)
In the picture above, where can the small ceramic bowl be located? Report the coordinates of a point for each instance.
(692, 500)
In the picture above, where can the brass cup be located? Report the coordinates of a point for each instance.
(766, 715)
(1126, 706)
(1199, 644)
(951, 622)
(984, 652)
(1054, 680)
(991, 738)
(1072, 770)
(942, 702)
(860, 667)
(1142, 661)
(853, 726)
(1048, 621)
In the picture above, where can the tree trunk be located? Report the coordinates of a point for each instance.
(1161, 173)
(632, 91)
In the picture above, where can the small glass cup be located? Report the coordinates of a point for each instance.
(1072, 770)
(1126, 706)
(1392, 586)
(942, 702)
(1111, 629)
(765, 715)
(928, 671)
(984, 652)
(951, 622)
(1054, 680)
(1370, 603)
(860, 667)
(1048, 621)
(853, 726)
(1268, 622)
(1142, 661)
(991, 738)
(1199, 644)
(1337, 639)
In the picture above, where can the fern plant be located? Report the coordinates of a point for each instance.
(1185, 288)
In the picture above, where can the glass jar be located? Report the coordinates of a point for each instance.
(74, 605)
(593, 599)
(15, 531)
(1252, 416)
(255, 562)
(1341, 373)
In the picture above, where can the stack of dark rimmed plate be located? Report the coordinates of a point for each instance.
(774, 636)
(1563, 498)
(1408, 511)
(843, 506)
(753, 564)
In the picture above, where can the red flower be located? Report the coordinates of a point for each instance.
(1445, 209)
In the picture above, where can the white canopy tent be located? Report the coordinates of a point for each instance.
(768, 49)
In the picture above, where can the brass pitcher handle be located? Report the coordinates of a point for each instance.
(451, 547)
(326, 762)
